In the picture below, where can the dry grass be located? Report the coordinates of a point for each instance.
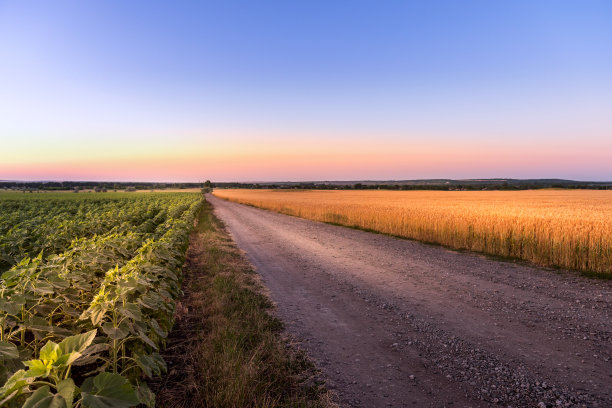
(561, 228)
(226, 349)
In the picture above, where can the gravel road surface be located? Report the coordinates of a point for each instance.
(397, 323)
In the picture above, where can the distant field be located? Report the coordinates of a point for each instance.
(9, 193)
(564, 228)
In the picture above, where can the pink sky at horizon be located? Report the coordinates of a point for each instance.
(278, 160)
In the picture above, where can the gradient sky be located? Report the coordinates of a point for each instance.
(305, 90)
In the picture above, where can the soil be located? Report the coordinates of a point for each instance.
(397, 323)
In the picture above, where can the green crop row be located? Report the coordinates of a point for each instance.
(29, 226)
(83, 327)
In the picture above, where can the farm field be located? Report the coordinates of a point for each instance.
(559, 228)
(87, 294)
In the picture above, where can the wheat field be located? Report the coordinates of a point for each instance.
(560, 228)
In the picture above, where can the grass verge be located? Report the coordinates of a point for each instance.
(226, 349)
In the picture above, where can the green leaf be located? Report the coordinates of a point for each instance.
(42, 398)
(9, 307)
(37, 368)
(96, 313)
(59, 331)
(77, 343)
(17, 382)
(50, 352)
(44, 288)
(37, 396)
(150, 301)
(151, 364)
(160, 362)
(145, 395)
(58, 282)
(7, 258)
(66, 359)
(131, 311)
(147, 340)
(144, 363)
(20, 300)
(107, 390)
(66, 389)
(8, 351)
(96, 348)
(11, 276)
(90, 355)
(114, 333)
(157, 328)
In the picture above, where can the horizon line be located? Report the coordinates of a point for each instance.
(307, 181)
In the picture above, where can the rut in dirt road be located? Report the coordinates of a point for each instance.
(397, 323)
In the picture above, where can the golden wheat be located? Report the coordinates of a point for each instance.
(564, 228)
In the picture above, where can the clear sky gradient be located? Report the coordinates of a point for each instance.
(305, 90)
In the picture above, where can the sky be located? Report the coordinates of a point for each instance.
(305, 90)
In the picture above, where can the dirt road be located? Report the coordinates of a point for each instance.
(397, 323)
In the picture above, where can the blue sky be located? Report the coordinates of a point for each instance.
(528, 81)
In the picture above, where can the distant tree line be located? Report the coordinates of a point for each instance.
(471, 186)
(207, 186)
(94, 185)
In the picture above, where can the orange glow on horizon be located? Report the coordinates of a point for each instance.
(285, 161)
(296, 156)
